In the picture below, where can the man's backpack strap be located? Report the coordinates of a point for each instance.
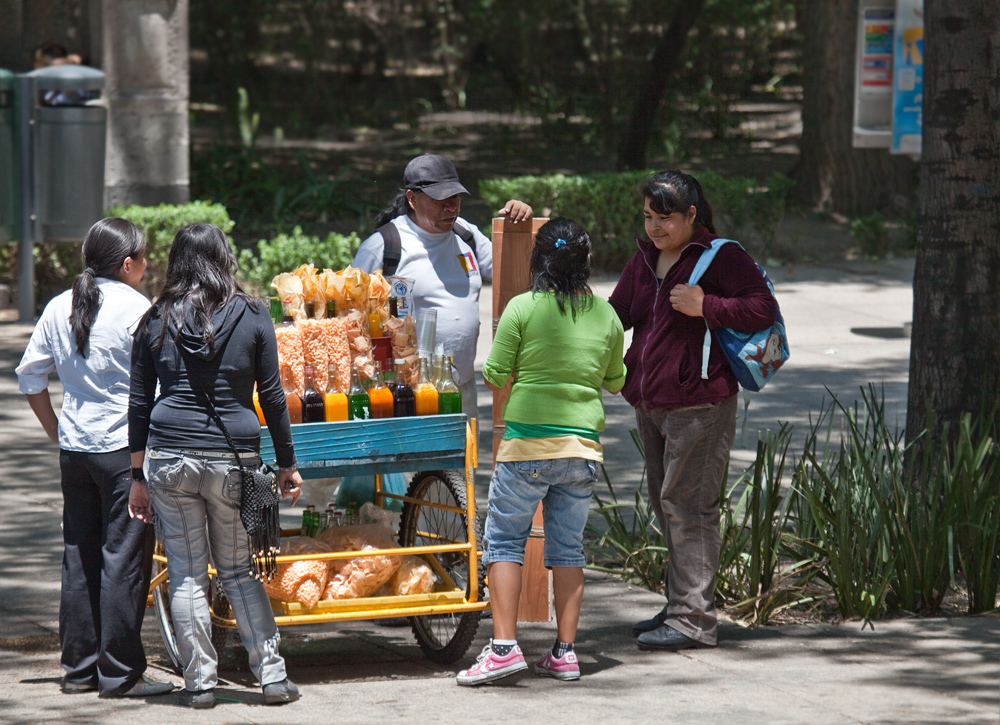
(393, 248)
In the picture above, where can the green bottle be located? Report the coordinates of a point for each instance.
(449, 396)
(358, 402)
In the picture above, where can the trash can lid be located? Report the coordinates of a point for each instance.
(68, 77)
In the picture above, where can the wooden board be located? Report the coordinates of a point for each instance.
(512, 245)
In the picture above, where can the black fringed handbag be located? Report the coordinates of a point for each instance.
(259, 499)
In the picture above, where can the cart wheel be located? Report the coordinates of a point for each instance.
(161, 605)
(444, 638)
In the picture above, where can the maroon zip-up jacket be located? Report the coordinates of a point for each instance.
(664, 359)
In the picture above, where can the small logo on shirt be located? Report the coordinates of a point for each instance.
(468, 262)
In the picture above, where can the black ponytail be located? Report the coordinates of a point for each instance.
(107, 244)
(675, 191)
(560, 263)
(400, 206)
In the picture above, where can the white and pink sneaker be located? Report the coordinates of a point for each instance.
(490, 667)
(564, 668)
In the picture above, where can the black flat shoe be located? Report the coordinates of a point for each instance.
(667, 639)
(648, 625)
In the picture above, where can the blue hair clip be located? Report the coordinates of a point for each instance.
(560, 242)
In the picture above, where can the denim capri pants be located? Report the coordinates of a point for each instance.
(563, 485)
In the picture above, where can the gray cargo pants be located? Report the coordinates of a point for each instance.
(687, 450)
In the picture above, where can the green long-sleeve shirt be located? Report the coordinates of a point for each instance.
(558, 364)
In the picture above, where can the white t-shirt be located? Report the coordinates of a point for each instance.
(94, 416)
(447, 277)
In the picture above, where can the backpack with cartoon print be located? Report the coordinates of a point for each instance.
(754, 357)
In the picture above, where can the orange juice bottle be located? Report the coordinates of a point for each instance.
(334, 401)
(256, 407)
(425, 392)
(291, 397)
(379, 395)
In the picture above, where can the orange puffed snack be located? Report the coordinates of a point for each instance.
(300, 581)
(290, 355)
(314, 351)
(338, 351)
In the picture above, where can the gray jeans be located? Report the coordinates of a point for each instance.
(687, 450)
(197, 503)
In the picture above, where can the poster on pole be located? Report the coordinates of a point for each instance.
(908, 72)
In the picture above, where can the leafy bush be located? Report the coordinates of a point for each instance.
(609, 207)
(161, 223)
(285, 252)
(868, 522)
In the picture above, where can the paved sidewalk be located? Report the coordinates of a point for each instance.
(845, 325)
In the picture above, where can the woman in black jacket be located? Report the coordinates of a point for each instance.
(205, 338)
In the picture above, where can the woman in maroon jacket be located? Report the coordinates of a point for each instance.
(686, 423)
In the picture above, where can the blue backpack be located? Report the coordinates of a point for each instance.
(753, 357)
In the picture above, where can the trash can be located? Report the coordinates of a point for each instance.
(9, 182)
(69, 142)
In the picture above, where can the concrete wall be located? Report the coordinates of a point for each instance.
(145, 57)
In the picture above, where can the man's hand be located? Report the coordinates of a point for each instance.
(516, 211)
(687, 299)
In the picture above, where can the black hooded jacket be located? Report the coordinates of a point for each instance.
(243, 353)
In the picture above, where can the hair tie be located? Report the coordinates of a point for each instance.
(560, 242)
(89, 271)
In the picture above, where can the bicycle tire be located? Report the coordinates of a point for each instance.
(443, 638)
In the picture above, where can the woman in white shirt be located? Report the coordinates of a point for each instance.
(85, 335)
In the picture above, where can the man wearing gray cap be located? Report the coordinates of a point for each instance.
(423, 238)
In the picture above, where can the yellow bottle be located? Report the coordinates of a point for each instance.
(334, 401)
(425, 392)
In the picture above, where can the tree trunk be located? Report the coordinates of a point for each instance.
(955, 348)
(666, 58)
(831, 175)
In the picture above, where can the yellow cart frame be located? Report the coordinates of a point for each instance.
(445, 620)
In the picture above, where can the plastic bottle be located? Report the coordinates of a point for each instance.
(404, 402)
(358, 404)
(313, 409)
(379, 395)
(307, 520)
(426, 395)
(291, 397)
(449, 396)
(334, 401)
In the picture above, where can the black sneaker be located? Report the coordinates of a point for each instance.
(74, 688)
(198, 699)
(668, 639)
(278, 693)
(648, 625)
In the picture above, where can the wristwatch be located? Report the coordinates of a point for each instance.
(138, 475)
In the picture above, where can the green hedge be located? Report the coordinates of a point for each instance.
(161, 223)
(285, 252)
(610, 208)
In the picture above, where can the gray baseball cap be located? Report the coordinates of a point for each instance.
(434, 175)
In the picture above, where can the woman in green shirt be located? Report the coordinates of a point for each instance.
(560, 346)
